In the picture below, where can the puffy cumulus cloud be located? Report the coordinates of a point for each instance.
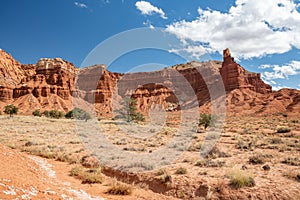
(250, 28)
(80, 5)
(282, 72)
(147, 8)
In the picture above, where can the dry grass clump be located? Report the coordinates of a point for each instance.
(239, 179)
(90, 162)
(181, 170)
(217, 153)
(259, 158)
(210, 163)
(120, 189)
(90, 176)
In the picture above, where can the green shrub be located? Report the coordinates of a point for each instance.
(79, 114)
(11, 110)
(56, 114)
(206, 120)
(283, 130)
(239, 179)
(46, 113)
(37, 113)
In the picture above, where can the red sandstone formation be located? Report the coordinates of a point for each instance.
(57, 84)
(236, 77)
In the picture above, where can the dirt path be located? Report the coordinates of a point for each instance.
(23, 176)
(29, 177)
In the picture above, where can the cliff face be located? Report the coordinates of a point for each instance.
(56, 84)
(236, 77)
(45, 85)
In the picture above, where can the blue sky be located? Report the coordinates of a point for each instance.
(264, 36)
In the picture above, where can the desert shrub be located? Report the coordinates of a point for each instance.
(46, 113)
(210, 163)
(56, 114)
(37, 113)
(275, 140)
(11, 110)
(79, 114)
(291, 161)
(206, 120)
(90, 162)
(295, 121)
(245, 145)
(217, 153)
(161, 172)
(120, 189)
(143, 165)
(257, 159)
(166, 179)
(90, 176)
(181, 170)
(283, 130)
(75, 171)
(239, 179)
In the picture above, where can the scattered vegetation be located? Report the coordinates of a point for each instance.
(11, 110)
(239, 179)
(291, 161)
(120, 189)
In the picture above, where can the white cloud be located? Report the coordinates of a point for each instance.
(149, 24)
(250, 28)
(193, 51)
(80, 5)
(265, 66)
(147, 8)
(279, 87)
(282, 72)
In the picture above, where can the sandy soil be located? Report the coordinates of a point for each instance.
(246, 145)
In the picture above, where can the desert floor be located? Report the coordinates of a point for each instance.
(54, 159)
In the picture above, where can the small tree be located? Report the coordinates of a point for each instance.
(129, 110)
(11, 110)
(206, 120)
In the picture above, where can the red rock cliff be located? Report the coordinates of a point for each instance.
(55, 83)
